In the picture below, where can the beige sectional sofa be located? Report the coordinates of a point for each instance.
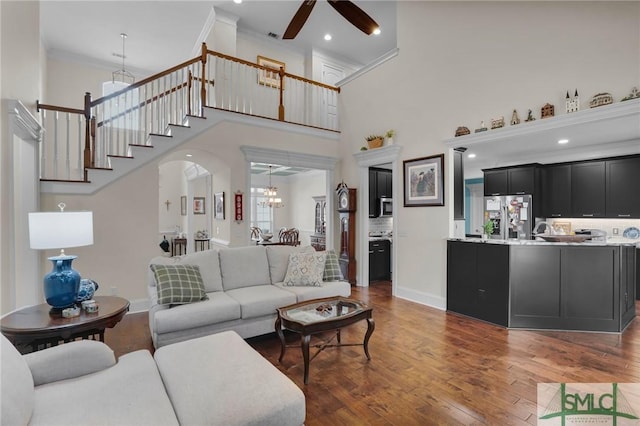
(244, 287)
(213, 380)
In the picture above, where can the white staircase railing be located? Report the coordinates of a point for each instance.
(79, 139)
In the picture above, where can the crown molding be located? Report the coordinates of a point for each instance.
(288, 158)
(373, 64)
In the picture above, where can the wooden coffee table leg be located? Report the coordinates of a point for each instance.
(305, 356)
(370, 327)
(283, 346)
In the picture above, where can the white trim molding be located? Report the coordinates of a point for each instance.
(374, 64)
(366, 159)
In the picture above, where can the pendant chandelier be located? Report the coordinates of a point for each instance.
(123, 74)
(271, 192)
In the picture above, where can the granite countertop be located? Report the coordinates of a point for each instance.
(609, 242)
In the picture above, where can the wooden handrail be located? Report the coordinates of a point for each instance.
(142, 104)
(91, 125)
(251, 64)
(144, 81)
(40, 106)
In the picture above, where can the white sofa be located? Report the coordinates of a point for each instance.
(214, 380)
(244, 286)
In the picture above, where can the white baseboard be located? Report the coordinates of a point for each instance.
(138, 305)
(422, 298)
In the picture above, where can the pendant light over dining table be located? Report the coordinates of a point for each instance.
(271, 194)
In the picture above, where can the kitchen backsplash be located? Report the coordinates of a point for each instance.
(607, 225)
(380, 224)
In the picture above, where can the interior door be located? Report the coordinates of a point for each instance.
(330, 75)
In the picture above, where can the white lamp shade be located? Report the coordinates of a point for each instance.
(58, 230)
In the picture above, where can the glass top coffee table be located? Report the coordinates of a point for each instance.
(321, 315)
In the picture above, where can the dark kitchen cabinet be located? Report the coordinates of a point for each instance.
(535, 290)
(496, 182)
(622, 195)
(571, 287)
(478, 280)
(522, 180)
(556, 191)
(380, 186)
(379, 260)
(512, 180)
(588, 189)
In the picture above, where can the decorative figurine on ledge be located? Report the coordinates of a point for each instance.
(572, 104)
(497, 123)
(514, 118)
(633, 95)
(482, 128)
(462, 130)
(530, 117)
(547, 111)
(600, 99)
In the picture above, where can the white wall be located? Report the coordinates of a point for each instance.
(21, 77)
(463, 62)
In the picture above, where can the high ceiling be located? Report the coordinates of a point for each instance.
(162, 34)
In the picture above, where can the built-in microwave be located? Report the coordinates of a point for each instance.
(386, 207)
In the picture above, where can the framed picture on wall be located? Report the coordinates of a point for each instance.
(198, 205)
(218, 205)
(183, 205)
(269, 77)
(424, 181)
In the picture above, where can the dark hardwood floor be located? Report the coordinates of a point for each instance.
(431, 367)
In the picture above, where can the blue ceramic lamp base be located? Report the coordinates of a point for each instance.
(61, 284)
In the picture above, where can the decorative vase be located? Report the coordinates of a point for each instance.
(62, 283)
(389, 141)
(86, 290)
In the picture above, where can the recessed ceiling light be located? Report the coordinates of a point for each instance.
(237, 1)
(471, 156)
(327, 37)
(563, 141)
(377, 31)
(189, 155)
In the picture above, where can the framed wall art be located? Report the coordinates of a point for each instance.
(424, 181)
(218, 205)
(268, 77)
(198, 205)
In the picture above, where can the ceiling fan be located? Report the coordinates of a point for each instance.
(347, 9)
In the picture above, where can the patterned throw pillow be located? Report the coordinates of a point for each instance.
(332, 270)
(178, 284)
(305, 269)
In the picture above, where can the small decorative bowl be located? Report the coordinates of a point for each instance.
(267, 237)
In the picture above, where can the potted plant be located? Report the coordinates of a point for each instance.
(487, 229)
(389, 135)
(374, 141)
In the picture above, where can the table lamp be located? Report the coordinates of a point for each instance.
(60, 230)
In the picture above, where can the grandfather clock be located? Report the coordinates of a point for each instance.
(347, 214)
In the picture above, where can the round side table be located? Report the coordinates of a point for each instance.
(33, 328)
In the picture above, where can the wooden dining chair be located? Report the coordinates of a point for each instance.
(290, 237)
(255, 234)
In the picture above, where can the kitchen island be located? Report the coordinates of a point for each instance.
(586, 286)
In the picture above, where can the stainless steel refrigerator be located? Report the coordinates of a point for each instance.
(512, 216)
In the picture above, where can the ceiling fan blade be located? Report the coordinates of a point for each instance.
(355, 15)
(299, 19)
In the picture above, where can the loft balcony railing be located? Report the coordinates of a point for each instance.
(79, 139)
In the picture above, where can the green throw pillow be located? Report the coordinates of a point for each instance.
(332, 270)
(178, 284)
